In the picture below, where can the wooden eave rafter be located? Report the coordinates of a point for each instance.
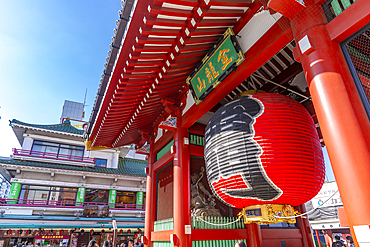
(165, 42)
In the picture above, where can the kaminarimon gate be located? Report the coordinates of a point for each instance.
(232, 101)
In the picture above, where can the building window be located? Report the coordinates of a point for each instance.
(101, 162)
(56, 150)
(95, 195)
(126, 197)
(31, 194)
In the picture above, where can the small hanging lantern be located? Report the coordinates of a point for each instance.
(128, 231)
(263, 149)
(121, 231)
(61, 232)
(91, 232)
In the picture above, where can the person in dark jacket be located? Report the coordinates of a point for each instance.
(338, 242)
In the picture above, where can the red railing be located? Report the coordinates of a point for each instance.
(47, 155)
(67, 204)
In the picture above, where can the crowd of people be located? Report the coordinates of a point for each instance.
(129, 243)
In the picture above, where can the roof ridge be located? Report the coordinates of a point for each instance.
(132, 159)
(97, 169)
(66, 126)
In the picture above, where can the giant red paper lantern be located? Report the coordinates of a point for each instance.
(263, 149)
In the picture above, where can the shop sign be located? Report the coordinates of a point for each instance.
(139, 199)
(52, 237)
(327, 190)
(112, 196)
(96, 211)
(14, 192)
(219, 62)
(80, 196)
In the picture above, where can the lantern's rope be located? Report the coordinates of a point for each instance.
(300, 215)
(214, 224)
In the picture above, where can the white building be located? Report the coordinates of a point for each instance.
(63, 192)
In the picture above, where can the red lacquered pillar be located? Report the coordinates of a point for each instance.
(181, 188)
(150, 202)
(254, 235)
(342, 118)
(304, 227)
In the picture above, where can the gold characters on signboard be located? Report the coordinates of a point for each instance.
(224, 59)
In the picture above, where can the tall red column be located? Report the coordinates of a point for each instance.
(181, 188)
(304, 227)
(342, 118)
(150, 203)
(254, 235)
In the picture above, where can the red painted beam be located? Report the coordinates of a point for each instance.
(164, 160)
(141, 7)
(218, 234)
(161, 235)
(266, 47)
(198, 129)
(196, 150)
(350, 21)
(281, 233)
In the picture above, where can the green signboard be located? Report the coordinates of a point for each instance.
(215, 66)
(139, 199)
(112, 198)
(80, 196)
(14, 192)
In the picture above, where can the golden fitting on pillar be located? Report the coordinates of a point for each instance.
(268, 214)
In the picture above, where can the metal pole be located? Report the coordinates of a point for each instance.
(114, 242)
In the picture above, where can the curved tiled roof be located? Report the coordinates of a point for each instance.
(126, 166)
(132, 166)
(64, 127)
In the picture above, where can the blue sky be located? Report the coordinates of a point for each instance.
(51, 51)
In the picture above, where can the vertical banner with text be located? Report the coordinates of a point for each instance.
(80, 196)
(139, 199)
(14, 193)
(112, 198)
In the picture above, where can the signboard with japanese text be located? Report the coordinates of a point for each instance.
(14, 193)
(52, 237)
(327, 196)
(139, 199)
(96, 211)
(215, 66)
(112, 198)
(80, 196)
